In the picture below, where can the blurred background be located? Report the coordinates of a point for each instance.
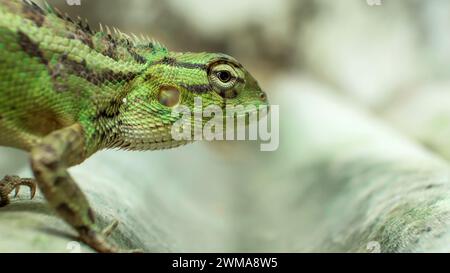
(364, 94)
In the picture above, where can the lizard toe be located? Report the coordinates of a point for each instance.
(13, 183)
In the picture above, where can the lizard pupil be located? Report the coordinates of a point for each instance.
(224, 76)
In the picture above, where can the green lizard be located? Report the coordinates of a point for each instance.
(67, 91)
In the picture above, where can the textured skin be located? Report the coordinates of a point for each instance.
(67, 92)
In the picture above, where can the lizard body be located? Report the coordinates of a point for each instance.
(67, 91)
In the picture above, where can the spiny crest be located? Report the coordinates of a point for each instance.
(116, 36)
(133, 40)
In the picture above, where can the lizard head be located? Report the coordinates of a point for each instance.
(180, 80)
(217, 79)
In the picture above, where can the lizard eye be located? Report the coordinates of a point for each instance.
(169, 96)
(222, 76)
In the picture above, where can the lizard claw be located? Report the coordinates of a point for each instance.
(32, 191)
(26, 182)
(16, 191)
(13, 183)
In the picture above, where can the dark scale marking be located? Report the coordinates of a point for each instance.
(228, 94)
(51, 164)
(37, 8)
(191, 66)
(198, 88)
(98, 78)
(49, 149)
(111, 111)
(58, 13)
(138, 58)
(168, 61)
(85, 231)
(148, 77)
(240, 80)
(30, 47)
(60, 180)
(111, 50)
(34, 13)
(151, 46)
(83, 37)
(128, 43)
(68, 18)
(173, 62)
(32, 6)
(37, 172)
(66, 210)
(83, 26)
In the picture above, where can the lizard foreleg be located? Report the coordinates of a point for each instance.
(50, 160)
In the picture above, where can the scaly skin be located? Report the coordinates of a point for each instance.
(67, 92)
